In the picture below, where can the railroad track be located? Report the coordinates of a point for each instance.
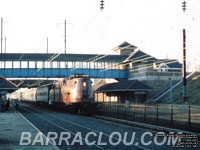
(53, 121)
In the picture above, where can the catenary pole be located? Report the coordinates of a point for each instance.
(184, 56)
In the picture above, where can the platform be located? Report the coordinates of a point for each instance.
(12, 124)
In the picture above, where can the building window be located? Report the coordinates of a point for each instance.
(8, 64)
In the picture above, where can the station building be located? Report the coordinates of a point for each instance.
(154, 74)
(133, 91)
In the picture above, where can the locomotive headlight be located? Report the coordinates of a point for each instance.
(84, 84)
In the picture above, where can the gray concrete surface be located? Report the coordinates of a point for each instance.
(12, 124)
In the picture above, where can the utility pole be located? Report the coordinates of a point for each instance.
(47, 45)
(171, 91)
(184, 65)
(5, 44)
(1, 35)
(184, 56)
(65, 35)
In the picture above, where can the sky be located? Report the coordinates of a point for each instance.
(154, 26)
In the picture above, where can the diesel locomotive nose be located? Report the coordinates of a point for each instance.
(85, 93)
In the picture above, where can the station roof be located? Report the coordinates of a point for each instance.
(125, 45)
(128, 85)
(6, 85)
(171, 63)
(139, 56)
(174, 65)
(61, 57)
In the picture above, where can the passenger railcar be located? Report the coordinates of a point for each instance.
(75, 93)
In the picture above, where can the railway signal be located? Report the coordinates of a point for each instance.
(184, 6)
(102, 5)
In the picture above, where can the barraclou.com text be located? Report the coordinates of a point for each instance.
(92, 138)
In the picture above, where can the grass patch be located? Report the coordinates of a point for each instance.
(193, 93)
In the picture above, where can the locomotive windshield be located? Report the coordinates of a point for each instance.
(64, 82)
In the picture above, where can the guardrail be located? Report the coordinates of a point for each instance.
(177, 116)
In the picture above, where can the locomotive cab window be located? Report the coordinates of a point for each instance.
(64, 82)
(75, 83)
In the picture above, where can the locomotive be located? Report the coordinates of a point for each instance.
(75, 93)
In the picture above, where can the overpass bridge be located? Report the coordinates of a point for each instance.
(43, 65)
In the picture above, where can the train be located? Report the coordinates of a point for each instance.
(75, 94)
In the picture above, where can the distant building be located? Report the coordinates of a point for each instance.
(167, 65)
(133, 91)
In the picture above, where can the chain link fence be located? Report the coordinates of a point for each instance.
(177, 116)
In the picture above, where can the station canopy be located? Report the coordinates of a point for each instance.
(6, 86)
(128, 85)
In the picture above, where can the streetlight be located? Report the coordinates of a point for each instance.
(171, 92)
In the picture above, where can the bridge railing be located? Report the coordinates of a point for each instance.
(62, 73)
(176, 116)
